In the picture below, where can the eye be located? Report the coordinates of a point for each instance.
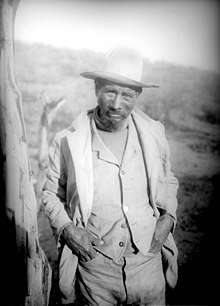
(110, 92)
(128, 96)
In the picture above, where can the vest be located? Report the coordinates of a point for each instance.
(121, 212)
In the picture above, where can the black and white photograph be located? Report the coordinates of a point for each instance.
(109, 148)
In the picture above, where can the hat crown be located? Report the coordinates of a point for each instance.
(125, 62)
(123, 66)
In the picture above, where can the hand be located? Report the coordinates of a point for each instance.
(163, 227)
(81, 242)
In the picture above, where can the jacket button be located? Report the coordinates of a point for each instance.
(121, 244)
(123, 225)
(122, 172)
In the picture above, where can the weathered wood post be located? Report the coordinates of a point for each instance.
(26, 273)
(51, 104)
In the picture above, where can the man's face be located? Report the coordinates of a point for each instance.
(116, 102)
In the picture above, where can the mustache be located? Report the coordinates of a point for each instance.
(114, 112)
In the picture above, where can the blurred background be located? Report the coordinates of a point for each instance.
(57, 40)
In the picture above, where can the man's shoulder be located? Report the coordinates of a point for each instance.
(79, 122)
(64, 133)
(143, 118)
(147, 126)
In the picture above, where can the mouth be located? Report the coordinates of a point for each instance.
(113, 115)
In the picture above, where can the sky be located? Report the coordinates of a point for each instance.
(182, 32)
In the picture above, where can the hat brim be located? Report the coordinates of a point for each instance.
(113, 77)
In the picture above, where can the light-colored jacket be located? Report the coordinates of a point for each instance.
(68, 192)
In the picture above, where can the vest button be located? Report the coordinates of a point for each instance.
(125, 207)
(123, 225)
(121, 244)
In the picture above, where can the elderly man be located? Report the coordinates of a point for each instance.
(110, 196)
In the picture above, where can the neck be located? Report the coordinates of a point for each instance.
(108, 126)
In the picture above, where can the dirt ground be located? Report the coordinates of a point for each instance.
(196, 165)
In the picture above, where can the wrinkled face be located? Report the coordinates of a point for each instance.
(116, 102)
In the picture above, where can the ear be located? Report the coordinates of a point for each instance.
(138, 91)
(97, 87)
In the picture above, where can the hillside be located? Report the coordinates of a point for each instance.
(187, 103)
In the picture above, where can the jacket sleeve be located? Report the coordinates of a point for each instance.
(54, 190)
(171, 181)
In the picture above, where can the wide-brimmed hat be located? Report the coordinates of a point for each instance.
(123, 66)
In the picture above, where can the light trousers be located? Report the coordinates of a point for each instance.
(132, 280)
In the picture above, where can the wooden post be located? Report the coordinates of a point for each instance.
(25, 273)
(51, 104)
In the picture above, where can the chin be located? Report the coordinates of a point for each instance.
(115, 125)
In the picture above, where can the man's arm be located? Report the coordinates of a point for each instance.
(167, 220)
(54, 198)
(172, 182)
(54, 190)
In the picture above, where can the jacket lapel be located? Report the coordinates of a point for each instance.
(151, 151)
(80, 147)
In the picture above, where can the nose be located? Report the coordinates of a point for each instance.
(117, 101)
